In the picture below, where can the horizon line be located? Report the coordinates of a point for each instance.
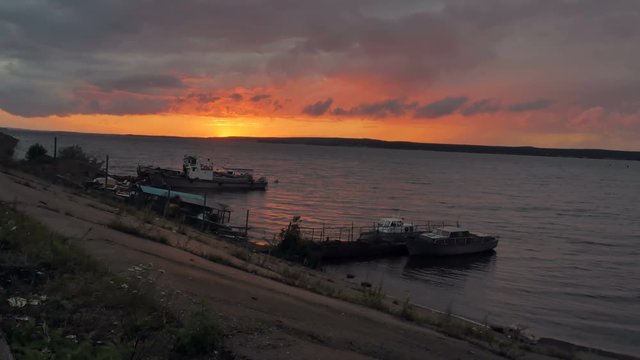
(318, 137)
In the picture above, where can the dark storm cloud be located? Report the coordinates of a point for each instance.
(259, 97)
(28, 101)
(141, 83)
(531, 105)
(236, 97)
(622, 96)
(132, 106)
(203, 97)
(380, 109)
(484, 106)
(318, 108)
(440, 108)
(51, 48)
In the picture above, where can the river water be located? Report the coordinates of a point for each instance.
(567, 265)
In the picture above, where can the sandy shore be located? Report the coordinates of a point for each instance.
(264, 318)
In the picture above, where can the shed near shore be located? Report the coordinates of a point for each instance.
(193, 203)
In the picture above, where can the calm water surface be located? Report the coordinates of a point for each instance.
(567, 265)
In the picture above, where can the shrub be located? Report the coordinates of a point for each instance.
(374, 297)
(408, 312)
(201, 334)
(36, 152)
(74, 152)
(117, 224)
(294, 247)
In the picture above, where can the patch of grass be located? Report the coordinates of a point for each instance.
(75, 308)
(374, 298)
(146, 215)
(117, 224)
(201, 334)
(219, 259)
(408, 311)
(299, 278)
(241, 253)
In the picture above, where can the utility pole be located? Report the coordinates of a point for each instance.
(246, 224)
(166, 205)
(204, 211)
(106, 173)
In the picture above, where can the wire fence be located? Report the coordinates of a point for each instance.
(351, 232)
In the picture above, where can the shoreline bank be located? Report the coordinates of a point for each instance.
(197, 260)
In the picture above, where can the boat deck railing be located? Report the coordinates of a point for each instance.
(351, 232)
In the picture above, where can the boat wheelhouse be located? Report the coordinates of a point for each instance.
(391, 229)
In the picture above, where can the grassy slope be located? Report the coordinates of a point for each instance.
(75, 309)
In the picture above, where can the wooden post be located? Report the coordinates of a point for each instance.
(323, 232)
(106, 173)
(352, 231)
(167, 203)
(246, 224)
(204, 211)
(55, 148)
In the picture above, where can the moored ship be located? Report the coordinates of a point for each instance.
(450, 240)
(390, 229)
(201, 175)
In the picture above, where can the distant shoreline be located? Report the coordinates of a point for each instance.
(602, 154)
(477, 149)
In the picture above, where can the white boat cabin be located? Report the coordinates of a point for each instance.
(197, 168)
(448, 232)
(393, 225)
(234, 171)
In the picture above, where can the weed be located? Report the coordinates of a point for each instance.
(408, 311)
(117, 224)
(374, 297)
(76, 309)
(220, 260)
(242, 254)
(201, 334)
(298, 278)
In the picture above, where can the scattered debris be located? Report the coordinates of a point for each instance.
(17, 302)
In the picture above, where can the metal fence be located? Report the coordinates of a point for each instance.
(350, 232)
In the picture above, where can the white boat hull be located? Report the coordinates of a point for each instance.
(425, 246)
(164, 178)
(216, 184)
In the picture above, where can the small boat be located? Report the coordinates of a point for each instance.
(201, 174)
(389, 229)
(450, 240)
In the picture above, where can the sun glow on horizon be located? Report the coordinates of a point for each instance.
(449, 130)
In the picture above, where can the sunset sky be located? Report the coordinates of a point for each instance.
(513, 72)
